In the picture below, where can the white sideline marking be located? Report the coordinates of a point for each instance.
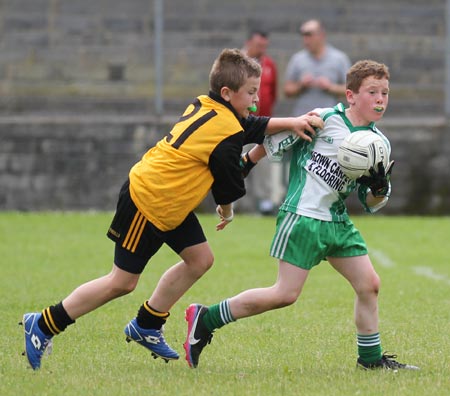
(429, 273)
(426, 272)
(381, 258)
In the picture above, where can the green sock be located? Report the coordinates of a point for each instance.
(218, 315)
(369, 347)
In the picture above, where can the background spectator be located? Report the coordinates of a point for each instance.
(315, 76)
(264, 176)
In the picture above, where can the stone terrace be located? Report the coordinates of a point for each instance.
(98, 56)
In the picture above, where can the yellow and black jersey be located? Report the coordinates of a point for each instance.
(200, 153)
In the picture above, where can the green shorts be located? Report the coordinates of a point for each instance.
(305, 242)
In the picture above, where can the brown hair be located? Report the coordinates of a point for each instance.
(231, 69)
(363, 69)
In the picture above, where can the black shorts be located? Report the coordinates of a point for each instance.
(137, 239)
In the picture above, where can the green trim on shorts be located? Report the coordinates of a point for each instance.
(305, 242)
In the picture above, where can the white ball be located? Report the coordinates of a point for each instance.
(360, 151)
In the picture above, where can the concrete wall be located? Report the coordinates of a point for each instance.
(80, 163)
(68, 162)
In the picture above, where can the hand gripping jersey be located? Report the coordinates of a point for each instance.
(317, 186)
(200, 153)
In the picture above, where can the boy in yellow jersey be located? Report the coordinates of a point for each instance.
(202, 153)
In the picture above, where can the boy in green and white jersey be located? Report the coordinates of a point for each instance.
(313, 223)
(317, 185)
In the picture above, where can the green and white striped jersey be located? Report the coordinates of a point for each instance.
(317, 187)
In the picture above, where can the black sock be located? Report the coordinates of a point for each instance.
(54, 320)
(149, 318)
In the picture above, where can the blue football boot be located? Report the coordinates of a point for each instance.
(36, 342)
(151, 339)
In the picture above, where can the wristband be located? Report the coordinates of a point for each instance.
(246, 164)
(229, 218)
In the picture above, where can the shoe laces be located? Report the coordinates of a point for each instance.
(161, 333)
(205, 340)
(389, 360)
(203, 333)
(48, 346)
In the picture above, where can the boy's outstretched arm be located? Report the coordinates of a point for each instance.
(304, 126)
(256, 153)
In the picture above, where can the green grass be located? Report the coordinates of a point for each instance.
(306, 349)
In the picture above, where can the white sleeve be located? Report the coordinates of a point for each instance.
(276, 145)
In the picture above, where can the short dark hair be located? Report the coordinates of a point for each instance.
(257, 32)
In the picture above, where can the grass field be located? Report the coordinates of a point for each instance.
(306, 349)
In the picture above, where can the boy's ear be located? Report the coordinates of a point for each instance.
(349, 96)
(225, 93)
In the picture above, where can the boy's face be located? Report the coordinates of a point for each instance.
(245, 97)
(256, 46)
(370, 103)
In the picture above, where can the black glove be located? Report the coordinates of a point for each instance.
(378, 182)
(246, 165)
